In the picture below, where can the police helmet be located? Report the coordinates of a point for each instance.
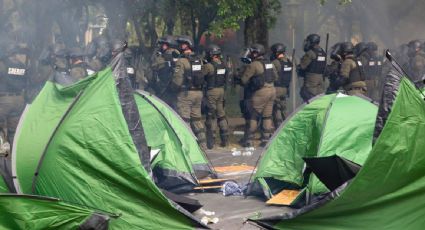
(259, 49)
(169, 40)
(415, 44)
(60, 51)
(372, 46)
(314, 39)
(278, 48)
(183, 39)
(336, 51)
(213, 50)
(347, 48)
(76, 52)
(360, 48)
(118, 46)
(310, 41)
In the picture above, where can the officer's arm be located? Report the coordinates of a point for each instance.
(345, 69)
(306, 60)
(158, 62)
(207, 69)
(344, 74)
(248, 73)
(178, 75)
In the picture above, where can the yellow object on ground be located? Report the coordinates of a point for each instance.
(285, 197)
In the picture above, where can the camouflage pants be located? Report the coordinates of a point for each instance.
(279, 107)
(260, 106)
(189, 108)
(11, 108)
(313, 86)
(215, 106)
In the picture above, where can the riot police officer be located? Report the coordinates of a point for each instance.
(361, 55)
(163, 63)
(99, 53)
(188, 81)
(312, 67)
(351, 73)
(416, 62)
(14, 79)
(373, 70)
(215, 73)
(259, 78)
(284, 68)
(333, 69)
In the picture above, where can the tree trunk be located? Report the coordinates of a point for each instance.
(117, 14)
(256, 27)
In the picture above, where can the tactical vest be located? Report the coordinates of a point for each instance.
(218, 79)
(257, 82)
(372, 68)
(15, 79)
(167, 69)
(318, 65)
(357, 73)
(285, 74)
(83, 66)
(131, 73)
(193, 77)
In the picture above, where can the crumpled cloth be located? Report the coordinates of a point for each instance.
(231, 188)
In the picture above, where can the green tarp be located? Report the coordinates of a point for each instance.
(334, 124)
(388, 191)
(41, 213)
(74, 144)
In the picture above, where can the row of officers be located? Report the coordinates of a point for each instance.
(186, 79)
(195, 85)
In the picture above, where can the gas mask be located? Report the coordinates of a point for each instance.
(246, 56)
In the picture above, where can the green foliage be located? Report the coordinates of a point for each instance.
(231, 12)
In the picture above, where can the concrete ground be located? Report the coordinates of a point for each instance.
(233, 211)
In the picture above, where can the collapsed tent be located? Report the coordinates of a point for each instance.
(84, 143)
(388, 190)
(181, 162)
(328, 125)
(40, 213)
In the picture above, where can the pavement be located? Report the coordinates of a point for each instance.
(233, 211)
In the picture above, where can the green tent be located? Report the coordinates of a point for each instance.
(180, 162)
(40, 213)
(388, 191)
(84, 143)
(328, 125)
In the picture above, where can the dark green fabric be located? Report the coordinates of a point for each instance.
(299, 137)
(188, 142)
(334, 124)
(39, 213)
(348, 133)
(389, 190)
(160, 135)
(91, 160)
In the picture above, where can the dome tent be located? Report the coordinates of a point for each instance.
(328, 125)
(387, 192)
(84, 143)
